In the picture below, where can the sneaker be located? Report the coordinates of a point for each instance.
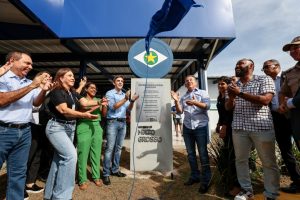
(34, 189)
(244, 195)
(26, 196)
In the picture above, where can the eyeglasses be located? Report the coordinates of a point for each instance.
(266, 67)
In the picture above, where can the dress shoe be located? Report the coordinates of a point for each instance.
(203, 189)
(97, 182)
(293, 188)
(106, 180)
(83, 186)
(118, 174)
(191, 182)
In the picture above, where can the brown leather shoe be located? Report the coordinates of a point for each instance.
(98, 182)
(83, 186)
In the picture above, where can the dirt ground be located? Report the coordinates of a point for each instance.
(153, 185)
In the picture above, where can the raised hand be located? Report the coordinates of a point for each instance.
(135, 97)
(7, 66)
(83, 82)
(175, 96)
(127, 94)
(233, 90)
(104, 101)
(41, 80)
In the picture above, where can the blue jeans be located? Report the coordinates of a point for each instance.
(264, 143)
(115, 135)
(197, 136)
(61, 179)
(14, 148)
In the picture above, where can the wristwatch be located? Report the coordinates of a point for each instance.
(240, 94)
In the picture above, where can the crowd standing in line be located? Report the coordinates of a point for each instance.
(258, 110)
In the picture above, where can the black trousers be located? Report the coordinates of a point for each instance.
(284, 133)
(33, 163)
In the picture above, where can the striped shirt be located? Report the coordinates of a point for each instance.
(250, 116)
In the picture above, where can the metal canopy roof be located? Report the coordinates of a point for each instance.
(101, 57)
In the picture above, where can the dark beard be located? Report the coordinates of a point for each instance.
(242, 72)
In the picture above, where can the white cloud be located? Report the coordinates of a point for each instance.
(262, 28)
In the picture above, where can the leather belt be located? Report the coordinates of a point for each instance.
(72, 122)
(18, 126)
(117, 119)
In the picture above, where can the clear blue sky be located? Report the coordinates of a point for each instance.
(262, 28)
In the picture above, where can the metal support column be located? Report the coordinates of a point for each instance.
(202, 77)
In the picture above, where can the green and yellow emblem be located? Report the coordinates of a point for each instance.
(151, 60)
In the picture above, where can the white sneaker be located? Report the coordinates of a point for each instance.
(244, 195)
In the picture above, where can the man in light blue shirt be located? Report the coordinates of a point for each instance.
(194, 104)
(119, 102)
(17, 95)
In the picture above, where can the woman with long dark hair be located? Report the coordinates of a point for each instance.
(64, 105)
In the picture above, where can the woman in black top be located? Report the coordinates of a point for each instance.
(225, 117)
(227, 157)
(64, 105)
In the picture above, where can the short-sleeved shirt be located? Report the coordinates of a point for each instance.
(114, 96)
(250, 116)
(59, 96)
(195, 117)
(291, 81)
(20, 111)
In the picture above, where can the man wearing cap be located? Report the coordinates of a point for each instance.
(282, 124)
(289, 92)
